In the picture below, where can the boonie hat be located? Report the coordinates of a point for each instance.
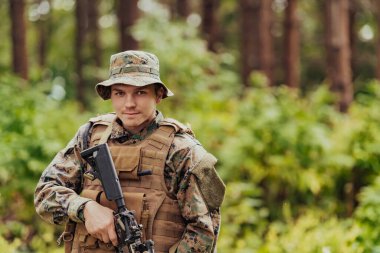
(137, 68)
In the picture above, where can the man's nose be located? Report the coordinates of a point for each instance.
(129, 101)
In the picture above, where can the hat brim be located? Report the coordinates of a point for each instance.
(104, 91)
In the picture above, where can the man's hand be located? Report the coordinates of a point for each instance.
(99, 222)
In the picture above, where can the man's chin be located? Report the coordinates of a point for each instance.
(130, 123)
(130, 119)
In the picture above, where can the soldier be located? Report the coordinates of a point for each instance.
(178, 204)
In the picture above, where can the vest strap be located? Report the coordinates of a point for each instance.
(164, 231)
(162, 137)
(68, 236)
(106, 135)
(169, 216)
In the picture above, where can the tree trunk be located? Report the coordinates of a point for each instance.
(127, 15)
(292, 45)
(210, 24)
(353, 7)
(93, 32)
(338, 51)
(249, 18)
(182, 7)
(81, 27)
(377, 3)
(43, 30)
(256, 38)
(266, 41)
(18, 30)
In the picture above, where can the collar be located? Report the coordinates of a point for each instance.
(122, 135)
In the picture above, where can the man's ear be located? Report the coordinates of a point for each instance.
(159, 94)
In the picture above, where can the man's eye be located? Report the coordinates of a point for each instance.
(118, 93)
(141, 92)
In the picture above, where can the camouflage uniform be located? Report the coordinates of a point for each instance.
(57, 199)
(57, 196)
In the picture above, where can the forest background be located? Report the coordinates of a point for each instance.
(284, 92)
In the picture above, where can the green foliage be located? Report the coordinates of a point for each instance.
(243, 218)
(286, 148)
(32, 133)
(368, 217)
(9, 247)
(312, 233)
(365, 147)
(305, 156)
(5, 44)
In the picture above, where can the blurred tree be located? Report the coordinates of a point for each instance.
(93, 32)
(353, 11)
(377, 8)
(266, 39)
(249, 13)
(338, 51)
(127, 13)
(18, 30)
(292, 45)
(256, 38)
(44, 31)
(81, 27)
(210, 23)
(171, 7)
(182, 8)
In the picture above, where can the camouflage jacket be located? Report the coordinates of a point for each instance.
(57, 196)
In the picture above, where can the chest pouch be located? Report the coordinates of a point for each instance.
(126, 160)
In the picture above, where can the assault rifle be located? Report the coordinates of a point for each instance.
(127, 229)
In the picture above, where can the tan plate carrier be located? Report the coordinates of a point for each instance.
(148, 196)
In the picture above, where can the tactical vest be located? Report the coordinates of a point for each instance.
(148, 196)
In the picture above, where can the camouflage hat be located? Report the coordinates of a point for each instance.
(135, 68)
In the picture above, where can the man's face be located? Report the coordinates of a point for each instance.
(134, 106)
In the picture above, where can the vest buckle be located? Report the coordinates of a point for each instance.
(66, 237)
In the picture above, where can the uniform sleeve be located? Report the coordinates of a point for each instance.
(56, 197)
(203, 220)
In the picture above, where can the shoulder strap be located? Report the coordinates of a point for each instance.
(178, 126)
(105, 120)
(106, 134)
(162, 138)
(86, 135)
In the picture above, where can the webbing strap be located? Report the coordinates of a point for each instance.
(162, 138)
(166, 216)
(106, 135)
(172, 231)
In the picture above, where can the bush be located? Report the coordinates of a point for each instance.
(32, 133)
(311, 233)
(244, 219)
(368, 217)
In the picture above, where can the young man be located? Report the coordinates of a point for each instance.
(178, 204)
